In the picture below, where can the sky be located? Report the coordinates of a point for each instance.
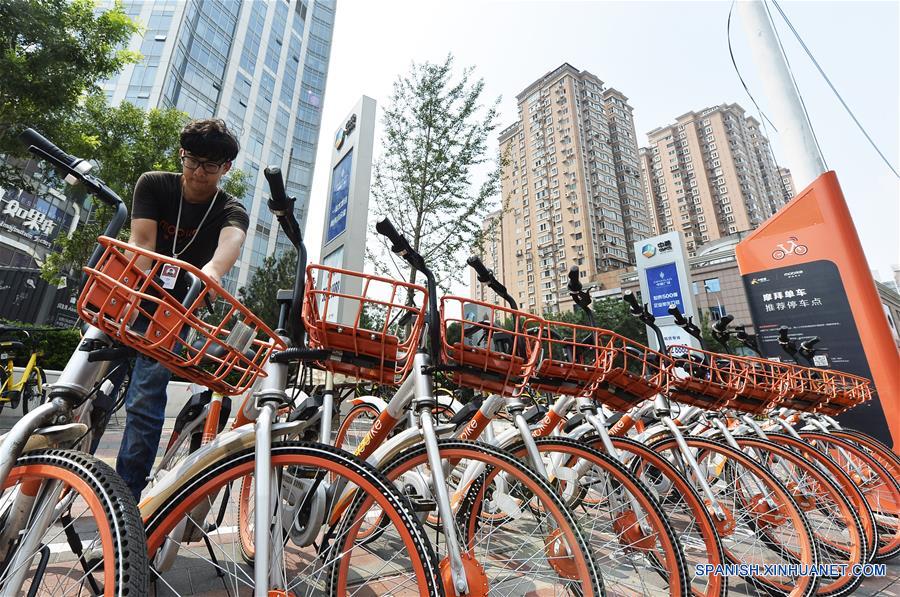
(669, 58)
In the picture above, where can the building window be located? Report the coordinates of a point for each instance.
(712, 285)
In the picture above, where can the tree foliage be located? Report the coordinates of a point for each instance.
(435, 142)
(259, 295)
(53, 51)
(610, 314)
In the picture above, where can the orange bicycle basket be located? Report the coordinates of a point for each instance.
(126, 301)
(497, 354)
(764, 384)
(370, 324)
(633, 373)
(572, 359)
(704, 379)
(807, 389)
(846, 391)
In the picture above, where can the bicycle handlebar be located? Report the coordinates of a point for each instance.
(401, 247)
(675, 312)
(484, 274)
(574, 281)
(809, 344)
(783, 335)
(722, 325)
(77, 171)
(282, 207)
(34, 139)
(632, 301)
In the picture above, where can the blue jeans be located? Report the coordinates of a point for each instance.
(145, 411)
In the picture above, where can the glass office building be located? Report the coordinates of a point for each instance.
(260, 65)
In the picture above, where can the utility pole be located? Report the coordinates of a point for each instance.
(794, 128)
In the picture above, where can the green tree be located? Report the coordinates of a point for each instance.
(125, 141)
(609, 314)
(261, 290)
(436, 132)
(53, 51)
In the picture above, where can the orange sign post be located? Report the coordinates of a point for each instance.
(804, 268)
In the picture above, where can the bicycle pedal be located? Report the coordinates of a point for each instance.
(423, 505)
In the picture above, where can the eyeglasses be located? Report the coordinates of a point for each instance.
(192, 163)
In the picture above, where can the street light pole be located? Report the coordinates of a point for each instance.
(795, 131)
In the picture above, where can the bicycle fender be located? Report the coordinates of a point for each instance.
(225, 443)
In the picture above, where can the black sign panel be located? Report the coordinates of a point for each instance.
(810, 300)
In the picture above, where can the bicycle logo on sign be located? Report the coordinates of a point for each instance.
(791, 246)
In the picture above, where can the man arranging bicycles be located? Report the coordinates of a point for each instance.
(189, 217)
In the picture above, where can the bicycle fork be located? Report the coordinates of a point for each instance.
(423, 403)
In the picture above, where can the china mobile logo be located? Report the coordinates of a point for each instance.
(782, 250)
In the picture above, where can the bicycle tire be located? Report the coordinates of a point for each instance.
(684, 508)
(31, 396)
(649, 543)
(289, 457)
(751, 523)
(4, 377)
(882, 453)
(849, 489)
(574, 570)
(837, 528)
(93, 492)
(882, 492)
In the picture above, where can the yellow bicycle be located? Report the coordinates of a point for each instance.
(29, 387)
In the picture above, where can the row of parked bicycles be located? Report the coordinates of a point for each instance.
(587, 463)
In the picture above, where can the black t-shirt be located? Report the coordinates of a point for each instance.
(157, 196)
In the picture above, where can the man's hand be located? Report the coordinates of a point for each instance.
(210, 270)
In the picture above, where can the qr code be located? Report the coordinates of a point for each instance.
(820, 360)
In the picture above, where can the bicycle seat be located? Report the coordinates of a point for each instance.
(535, 414)
(12, 346)
(465, 413)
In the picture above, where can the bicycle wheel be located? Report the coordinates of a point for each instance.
(508, 549)
(684, 508)
(836, 526)
(354, 427)
(95, 536)
(765, 526)
(4, 389)
(623, 524)
(317, 557)
(881, 491)
(883, 454)
(32, 391)
(834, 472)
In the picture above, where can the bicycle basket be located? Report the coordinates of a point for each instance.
(807, 389)
(704, 379)
(765, 382)
(225, 352)
(632, 373)
(370, 324)
(497, 354)
(573, 357)
(846, 391)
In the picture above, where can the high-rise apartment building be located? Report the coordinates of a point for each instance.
(711, 174)
(261, 67)
(571, 187)
(787, 182)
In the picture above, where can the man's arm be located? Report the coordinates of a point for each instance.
(231, 239)
(143, 235)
